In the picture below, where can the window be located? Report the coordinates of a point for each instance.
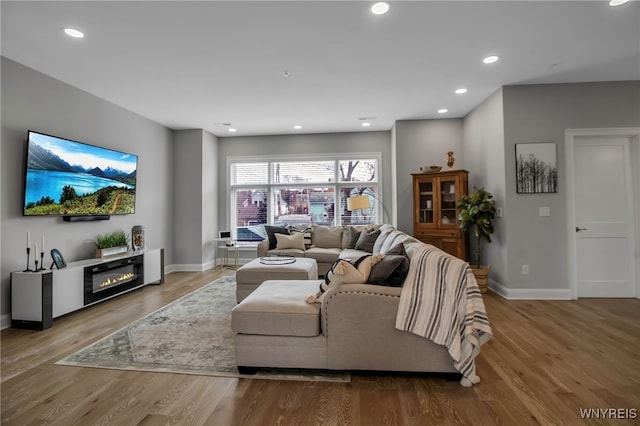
(301, 192)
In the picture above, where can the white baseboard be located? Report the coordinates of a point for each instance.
(530, 293)
(5, 321)
(185, 267)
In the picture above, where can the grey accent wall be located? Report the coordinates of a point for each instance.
(31, 100)
(419, 143)
(187, 189)
(485, 159)
(210, 196)
(195, 209)
(542, 113)
(302, 144)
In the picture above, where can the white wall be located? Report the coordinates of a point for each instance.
(419, 143)
(31, 100)
(542, 113)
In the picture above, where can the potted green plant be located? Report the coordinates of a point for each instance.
(111, 243)
(476, 212)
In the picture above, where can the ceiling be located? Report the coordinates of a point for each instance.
(215, 65)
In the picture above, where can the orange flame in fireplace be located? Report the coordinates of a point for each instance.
(121, 278)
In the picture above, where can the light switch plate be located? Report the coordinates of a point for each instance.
(545, 211)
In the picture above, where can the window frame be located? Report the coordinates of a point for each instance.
(270, 186)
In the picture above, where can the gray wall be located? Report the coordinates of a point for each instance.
(302, 144)
(210, 196)
(419, 143)
(542, 113)
(187, 190)
(485, 158)
(196, 199)
(31, 100)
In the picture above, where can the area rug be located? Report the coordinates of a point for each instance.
(191, 335)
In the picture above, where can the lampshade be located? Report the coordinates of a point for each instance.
(358, 202)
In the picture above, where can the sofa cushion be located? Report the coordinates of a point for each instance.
(286, 252)
(305, 231)
(352, 254)
(325, 237)
(324, 255)
(385, 231)
(350, 237)
(392, 269)
(346, 272)
(278, 308)
(392, 240)
(366, 240)
(293, 241)
(271, 231)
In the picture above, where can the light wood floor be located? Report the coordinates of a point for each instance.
(547, 360)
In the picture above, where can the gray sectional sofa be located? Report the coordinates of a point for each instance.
(353, 328)
(328, 244)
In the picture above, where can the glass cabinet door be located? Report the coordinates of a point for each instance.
(426, 202)
(448, 213)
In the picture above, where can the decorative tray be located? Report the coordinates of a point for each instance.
(277, 260)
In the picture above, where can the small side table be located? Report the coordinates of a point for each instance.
(235, 250)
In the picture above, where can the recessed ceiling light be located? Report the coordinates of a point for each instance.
(366, 124)
(297, 127)
(72, 32)
(461, 91)
(490, 59)
(442, 110)
(614, 3)
(232, 130)
(380, 8)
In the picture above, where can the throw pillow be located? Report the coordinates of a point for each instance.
(325, 237)
(293, 241)
(305, 231)
(271, 231)
(344, 271)
(366, 240)
(350, 237)
(393, 269)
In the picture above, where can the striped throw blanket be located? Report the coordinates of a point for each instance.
(440, 301)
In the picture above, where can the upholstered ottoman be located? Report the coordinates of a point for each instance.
(276, 327)
(254, 273)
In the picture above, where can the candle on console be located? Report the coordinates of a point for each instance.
(35, 247)
(28, 239)
(42, 243)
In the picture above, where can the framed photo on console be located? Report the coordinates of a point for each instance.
(58, 260)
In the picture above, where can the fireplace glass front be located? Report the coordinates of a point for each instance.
(113, 277)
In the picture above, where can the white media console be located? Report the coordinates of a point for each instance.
(38, 297)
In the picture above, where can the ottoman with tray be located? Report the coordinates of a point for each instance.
(254, 273)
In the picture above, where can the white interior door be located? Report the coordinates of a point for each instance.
(604, 217)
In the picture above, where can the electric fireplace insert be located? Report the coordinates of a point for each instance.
(112, 277)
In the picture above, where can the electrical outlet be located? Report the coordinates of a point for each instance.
(525, 269)
(499, 212)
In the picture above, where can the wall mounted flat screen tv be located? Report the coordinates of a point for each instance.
(68, 178)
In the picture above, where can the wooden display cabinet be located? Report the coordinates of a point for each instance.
(435, 217)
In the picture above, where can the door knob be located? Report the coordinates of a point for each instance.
(580, 229)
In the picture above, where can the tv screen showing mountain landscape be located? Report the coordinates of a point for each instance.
(64, 177)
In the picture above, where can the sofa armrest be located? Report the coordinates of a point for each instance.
(263, 248)
(359, 299)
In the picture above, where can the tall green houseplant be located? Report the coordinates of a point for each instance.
(477, 210)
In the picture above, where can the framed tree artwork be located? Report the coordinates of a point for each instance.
(536, 168)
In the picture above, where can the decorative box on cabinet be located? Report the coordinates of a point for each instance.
(435, 217)
(38, 297)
